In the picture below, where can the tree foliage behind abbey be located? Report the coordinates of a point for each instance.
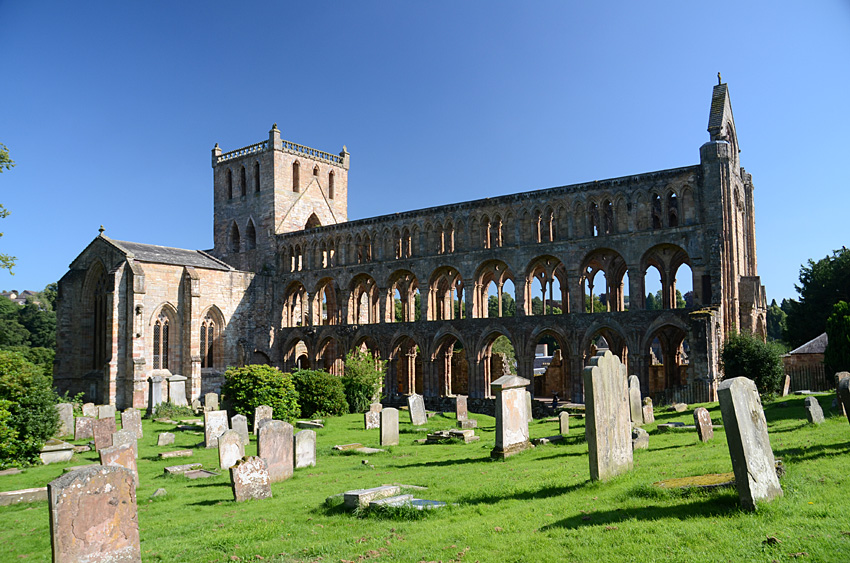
(837, 355)
(744, 355)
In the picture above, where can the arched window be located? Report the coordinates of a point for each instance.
(160, 341)
(229, 183)
(296, 177)
(656, 212)
(242, 184)
(209, 335)
(256, 176)
(608, 217)
(313, 222)
(594, 219)
(316, 170)
(331, 185)
(672, 210)
(100, 310)
(234, 238)
(250, 236)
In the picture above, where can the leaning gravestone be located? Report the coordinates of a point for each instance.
(154, 392)
(512, 416)
(66, 419)
(461, 409)
(121, 456)
(131, 419)
(93, 516)
(635, 406)
(230, 449)
(607, 424)
(416, 404)
(813, 411)
(102, 429)
(786, 387)
(843, 391)
(240, 423)
(305, 449)
(249, 478)
(275, 446)
(215, 424)
(165, 439)
(261, 413)
(177, 390)
(389, 427)
(211, 402)
(83, 428)
(106, 411)
(564, 423)
(702, 421)
(648, 413)
(124, 436)
(90, 410)
(749, 444)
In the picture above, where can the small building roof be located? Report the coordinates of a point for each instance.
(169, 255)
(814, 346)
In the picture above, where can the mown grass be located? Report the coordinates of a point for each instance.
(537, 506)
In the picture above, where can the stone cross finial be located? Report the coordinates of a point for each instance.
(719, 81)
(101, 229)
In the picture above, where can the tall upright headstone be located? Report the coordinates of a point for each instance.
(211, 402)
(275, 446)
(90, 410)
(154, 392)
(607, 417)
(512, 416)
(66, 419)
(230, 449)
(305, 449)
(389, 427)
(83, 428)
(177, 390)
(416, 404)
(460, 407)
(131, 419)
(635, 406)
(93, 516)
(122, 455)
(215, 424)
(843, 390)
(702, 421)
(103, 429)
(240, 423)
(749, 444)
(125, 436)
(261, 413)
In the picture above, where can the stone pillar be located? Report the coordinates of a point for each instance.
(577, 292)
(512, 415)
(311, 309)
(520, 286)
(469, 291)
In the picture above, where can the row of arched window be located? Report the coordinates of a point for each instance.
(242, 187)
(209, 341)
(296, 179)
(235, 242)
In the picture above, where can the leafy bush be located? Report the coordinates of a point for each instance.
(362, 381)
(172, 411)
(42, 357)
(248, 387)
(837, 355)
(319, 393)
(744, 355)
(30, 400)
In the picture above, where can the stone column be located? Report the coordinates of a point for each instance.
(637, 294)
(576, 292)
(520, 286)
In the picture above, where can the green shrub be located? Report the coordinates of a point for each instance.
(362, 381)
(42, 357)
(30, 400)
(319, 393)
(744, 355)
(8, 436)
(248, 387)
(171, 411)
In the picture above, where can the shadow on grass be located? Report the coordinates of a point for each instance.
(212, 502)
(814, 452)
(205, 485)
(541, 493)
(446, 463)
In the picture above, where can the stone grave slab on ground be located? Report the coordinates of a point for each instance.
(608, 424)
(461, 410)
(199, 474)
(360, 498)
(23, 496)
(305, 449)
(345, 447)
(230, 449)
(309, 424)
(120, 456)
(131, 419)
(165, 439)
(75, 467)
(814, 412)
(56, 451)
(181, 469)
(93, 516)
(748, 441)
(276, 447)
(702, 422)
(83, 428)
(416, 406)
(564, 423)
(261, 413)
(66, 419)
(468, 423)
(211, 402)
(389, 427)
(512, 416)
(249, 478)
(648, 413)
(239, 423)
(155, 395)
(441, 436)
(103, 429)
(635, 405)
(177, 390)
(10, 471)
(90, 410)
(176, 453)
(215, 424)
(126, 437)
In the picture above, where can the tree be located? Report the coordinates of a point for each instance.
(508, 306)
(248, 387)
(319, 393)
(364, 375)
(837, 355)
(744, 355)
(12, 331)
(502, 345)
(822, 284)
(651, 303)
(6, 261)
(776, 319)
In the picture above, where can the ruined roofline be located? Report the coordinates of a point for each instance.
(286, 146)
(505, 199)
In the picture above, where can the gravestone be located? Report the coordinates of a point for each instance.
(640, 439)
(240, 423)
(215, 424)
(371, 420)
(102, 430)
(702, 421)
(813, 411)
(607, 424)
(124, 436)
(749, 444)
(648, 413)
(635, 406)
(249, 478)
(786, 387)
(389, 427)
(679, 407)
(461, 408)
(416, 405)
(93, 516)
(165, 439)
(564, 423)
(211, 402)
(275, 446)
(512, 416)
(376, 407)
(261, 413)
(131, 419)
(89, 410)
(66, 419)
(105, 411)
(83, 428)
(121, 456)
(154, 392)
(177, 390)
(842, 389)
(528, 406)
(230, 449)
(305, 449)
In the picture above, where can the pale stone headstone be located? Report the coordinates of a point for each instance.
(842, 389)
(131, 419)
(83, 428)
(89, 410)
(748, 441)
(305, 449)
(814, 413)
(240, 423)
(389, 427)
(181, 469)
(177, 390)
(371, 420)
(93, 516)
(211, 402)
(702, 421)
(124, 436)
(635, 406)
(512, 416)
(230, 449)
(376, 407)
(176, 453)
(261, 413)
(275, 446)
(66, 419)
(461, 408)
(106, 411)
(648, 413)
(121, 456)
(607, 424)
(56, 451)
(640, 439)
(154, 392)
(564, 423)
(786, 387)
(215, 424)
(250, 479)
(416, 404)
(102, 430)
(196, 406)
(165, 439)
(679, 407)
(528, 406)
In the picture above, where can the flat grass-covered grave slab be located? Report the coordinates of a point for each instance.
(536, 506)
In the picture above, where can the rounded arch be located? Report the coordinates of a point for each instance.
(551, 277)
(666, 350)
(613, 267)
(297, 351)
(210, 338)
(326, 311)
(446, 295)
(551, 364)
(498, 274)
(615, 340)
(450, 363)
(330, 355)
(294, 305)
(403, 298)
(364, 304)
(404, 368)
(666, 258)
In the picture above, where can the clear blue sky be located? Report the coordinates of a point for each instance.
(110, 109)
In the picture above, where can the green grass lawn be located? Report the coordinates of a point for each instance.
(536, 506)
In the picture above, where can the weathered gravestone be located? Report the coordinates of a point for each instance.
(702, 421)
(814, 413)
(512, 416)
(239, 423)
(89, 410)
(389, 427)
(416, 405)
(275, 446)
(305, 449)
(230, 449)
(842, 389)
(211, 402)
(93, 516)
(126, 437)
(249, 478)
(786, 387)
(371, 420)
(640, 439)
(154, 392)
(460, 408)
(102, 429)
(635, 406)
(648, 413)
(66, 419)
(528, 406)
(131, 419)
(177, 390)
(165, 439)
(261, 413)
(215, 424)
(749, 444)
(607, 424)
(83, 428)
(105, 411)
(564, 423)
(120, 456)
